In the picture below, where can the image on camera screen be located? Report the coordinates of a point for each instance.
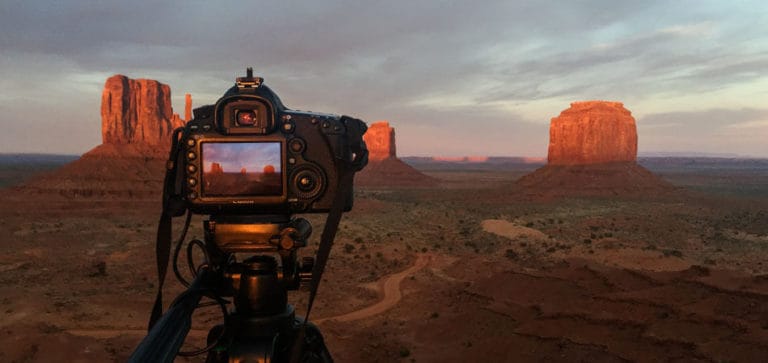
(241, 169)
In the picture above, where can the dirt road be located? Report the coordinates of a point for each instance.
(389, 289)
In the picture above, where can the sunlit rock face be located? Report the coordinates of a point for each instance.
(380, 139)
(592, 132)
(187, 107)
(137, 112)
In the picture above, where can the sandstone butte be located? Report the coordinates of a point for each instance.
(380, 139)
(592, 132)
(137, 112)
(384, 168)
(593, 151)
(137, 122)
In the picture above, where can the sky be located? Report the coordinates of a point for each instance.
(453, 78)
(232, 157)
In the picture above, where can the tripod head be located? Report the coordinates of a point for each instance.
(259, 235)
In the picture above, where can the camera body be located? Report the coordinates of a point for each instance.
(249, 154)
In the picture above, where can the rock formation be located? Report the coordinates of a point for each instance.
(137, 112)
(380, 139)
(384, 168)
(137, 122)
(187, 107)
(593, 152)
(592, 132)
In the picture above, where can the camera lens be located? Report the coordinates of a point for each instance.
(246, 117)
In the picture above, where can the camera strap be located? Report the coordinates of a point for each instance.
(346, 171)
(172, 206)
(355, 162)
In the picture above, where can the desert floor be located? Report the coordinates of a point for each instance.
(470, 271)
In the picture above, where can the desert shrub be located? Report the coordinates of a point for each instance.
(348, 248)
(404, 352)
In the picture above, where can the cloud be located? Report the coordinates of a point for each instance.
(419, 63)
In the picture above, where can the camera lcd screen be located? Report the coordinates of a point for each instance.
(241, 169)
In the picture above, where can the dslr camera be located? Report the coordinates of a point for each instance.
(250, 154)
(249, 163)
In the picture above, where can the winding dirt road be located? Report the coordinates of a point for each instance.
(389, 288)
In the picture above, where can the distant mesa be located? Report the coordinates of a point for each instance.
(137, 122)
(461, 159)
(384, 168)
(216, 168)
(593, 151)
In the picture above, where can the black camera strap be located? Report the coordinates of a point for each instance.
(346, 171)
(172, 206)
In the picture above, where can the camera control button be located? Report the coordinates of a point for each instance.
(192, 195)
(291, 161)
(296, 145)
(306, 183)
(326, 124)
(190, 142)
(288, 127)
(191, 155)
(207, 127)
(191, 168)
(192, 182)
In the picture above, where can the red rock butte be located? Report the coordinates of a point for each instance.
(137, 122)
(137, 112)
(384, 169)
(592, 132)
(593, 152)
(380, 139)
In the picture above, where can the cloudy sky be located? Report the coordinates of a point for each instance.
(453, 77)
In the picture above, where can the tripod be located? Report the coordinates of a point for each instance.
(262, 326)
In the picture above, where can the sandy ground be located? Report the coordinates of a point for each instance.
(481, 275)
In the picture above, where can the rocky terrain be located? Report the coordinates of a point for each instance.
(506, 279)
